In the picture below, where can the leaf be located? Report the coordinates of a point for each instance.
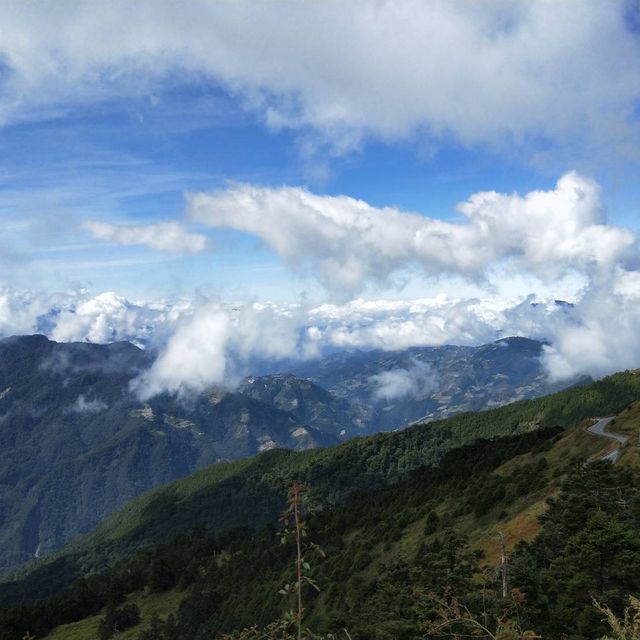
(312, 583)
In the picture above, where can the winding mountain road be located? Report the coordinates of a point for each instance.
(598, 429)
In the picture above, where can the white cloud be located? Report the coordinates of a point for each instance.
(194, 357)
(388, 325)
(163, 236)
(417, 381)
(347, 243)
(205, 343)
(214, 346)
(19, 311)
(108, 317)
(82, 405)
(603, 334)
(490, 72)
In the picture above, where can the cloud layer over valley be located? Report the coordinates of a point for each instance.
(348, 244)
(209, 343)
(189, 154)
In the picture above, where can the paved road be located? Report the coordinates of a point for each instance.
(598, 429)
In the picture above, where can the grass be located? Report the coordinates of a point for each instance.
(522, 522)
(161, 604)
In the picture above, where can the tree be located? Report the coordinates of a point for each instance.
(154, 631)
(433, 521)
(118, 619)
(602, 561)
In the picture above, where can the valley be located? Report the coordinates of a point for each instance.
(76, 443)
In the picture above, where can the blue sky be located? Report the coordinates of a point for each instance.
(130, 162)
(96, 140)
(316, 154)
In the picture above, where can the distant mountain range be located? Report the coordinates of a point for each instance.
(395, 388)
(75, 444)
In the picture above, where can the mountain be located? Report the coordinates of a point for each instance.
(430, 383)
(309, 403)
(404, 518)
(76, 444)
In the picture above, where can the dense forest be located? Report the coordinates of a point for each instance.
(252, 492)
(395, 547)
(588, 547)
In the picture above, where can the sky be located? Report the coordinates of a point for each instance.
(229, 181)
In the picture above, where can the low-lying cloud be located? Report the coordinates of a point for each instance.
(214, 344)
(603, 336)
(84, 406)
(204, 343)
(416, 381)
(348, 243)
(108, 317)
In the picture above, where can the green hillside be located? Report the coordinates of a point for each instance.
(252, 491)
(79, 445)
(398, 515)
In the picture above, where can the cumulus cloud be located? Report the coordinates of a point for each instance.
(214, 345)
(193, 358)
(19, 311)
(602, 335)
(163, 236)
(273, 329)
(109, 317)
(562, 232)
(347, 243)
(416, 381)
(82, 317)
(205, 343)
(489, 72)
(392, 325)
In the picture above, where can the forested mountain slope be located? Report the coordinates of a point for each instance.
(388, 510)
(431, 383)
(76, 444)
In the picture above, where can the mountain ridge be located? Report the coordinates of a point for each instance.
(77, 445)
(380, 509)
